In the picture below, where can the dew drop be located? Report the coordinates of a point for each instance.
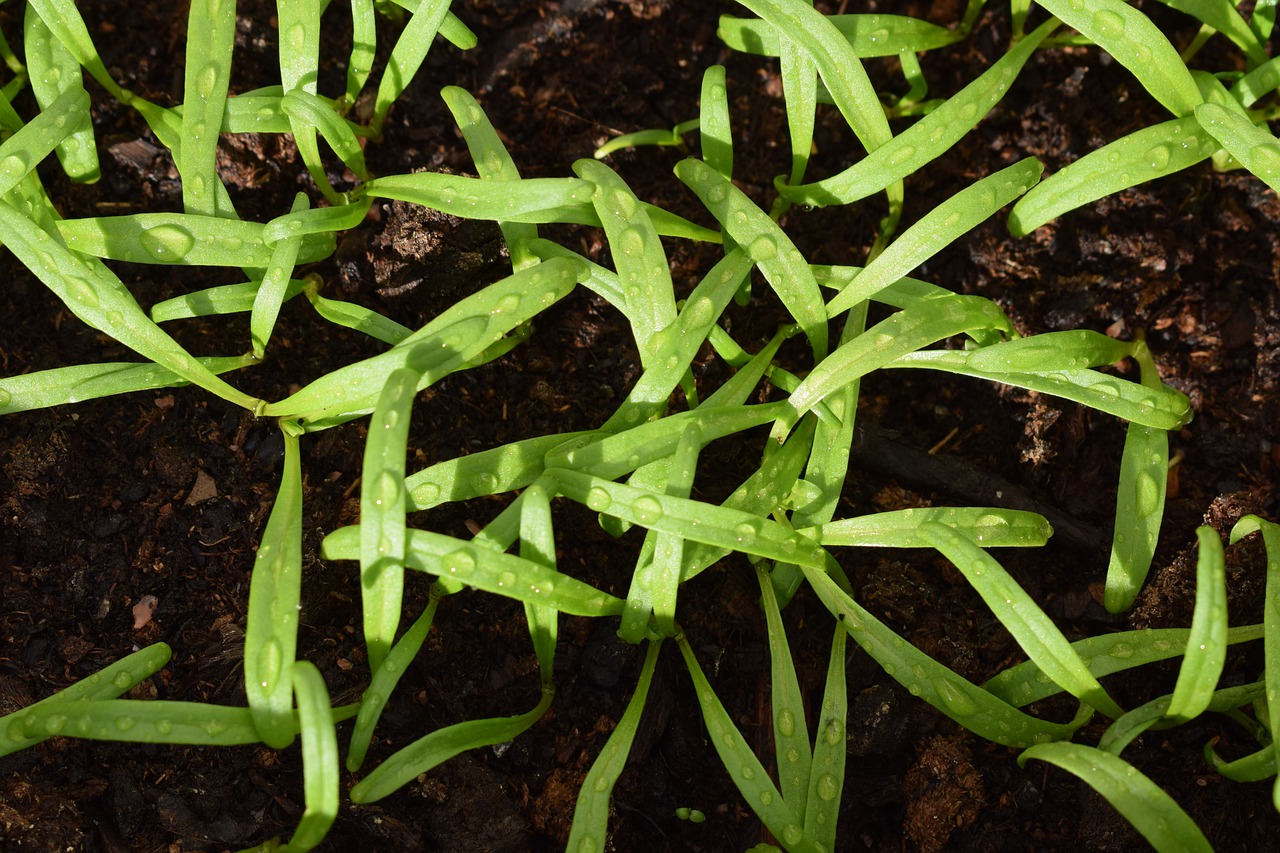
(956, 701)
(206, 81)
(786, 723)
(1122, 651)
(766, 798)
(717, 194)
(598, 499)
(1266, 159)
(386, 489)
(647, 509)
(624, 204)
(167, 243)
(1146, 497)
(459, 561)
(763, 248)
(747, 772)
(699, 313)
(507, 580)
(1158, 156)
(1109, 23)
(485, 483)
(124, 724)
(792, 834)
(746, 532)
(902, 155)
(631, 242)
(55, 723)
(123, 680)
(426, 495)
(828, 787)
(991, 527)
(270, 663)
(508, 304)
(82, 291)
(14, 166)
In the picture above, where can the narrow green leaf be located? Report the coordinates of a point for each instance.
(1105, 654)
(769, 247)
(95, 295)
(927, 139)
(28, 147)
(637, 252)
(53, 73)
(1030, 627)
(1160, 407)
(502, 574)
(61, 385)
(407, 55)
(790, 726)
(589, 832)
(382, 514)
(1207, 647)
(486, 472)
(438, 747)
(1136, 43)
(1222, 16)
(830, 750)
(275, 284)
(456, 337)
(1142, 156)
(1144, 472)
(987, 527)
(1151, 811)
(1271, 625)
(715, 131)
(748, 774)
(107, 683)
(1255, 148)
(319, 758)
(211, 28)
(868, 35)
(890, 339)
(182, 239)
(493, 163)
(937, 229)
(271, 628)
(837, 63)
(385, 679)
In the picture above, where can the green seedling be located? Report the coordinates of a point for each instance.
(641, 467)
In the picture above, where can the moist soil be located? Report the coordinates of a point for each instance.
(164, 494)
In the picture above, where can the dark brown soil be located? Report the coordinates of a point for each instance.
(165, 493)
